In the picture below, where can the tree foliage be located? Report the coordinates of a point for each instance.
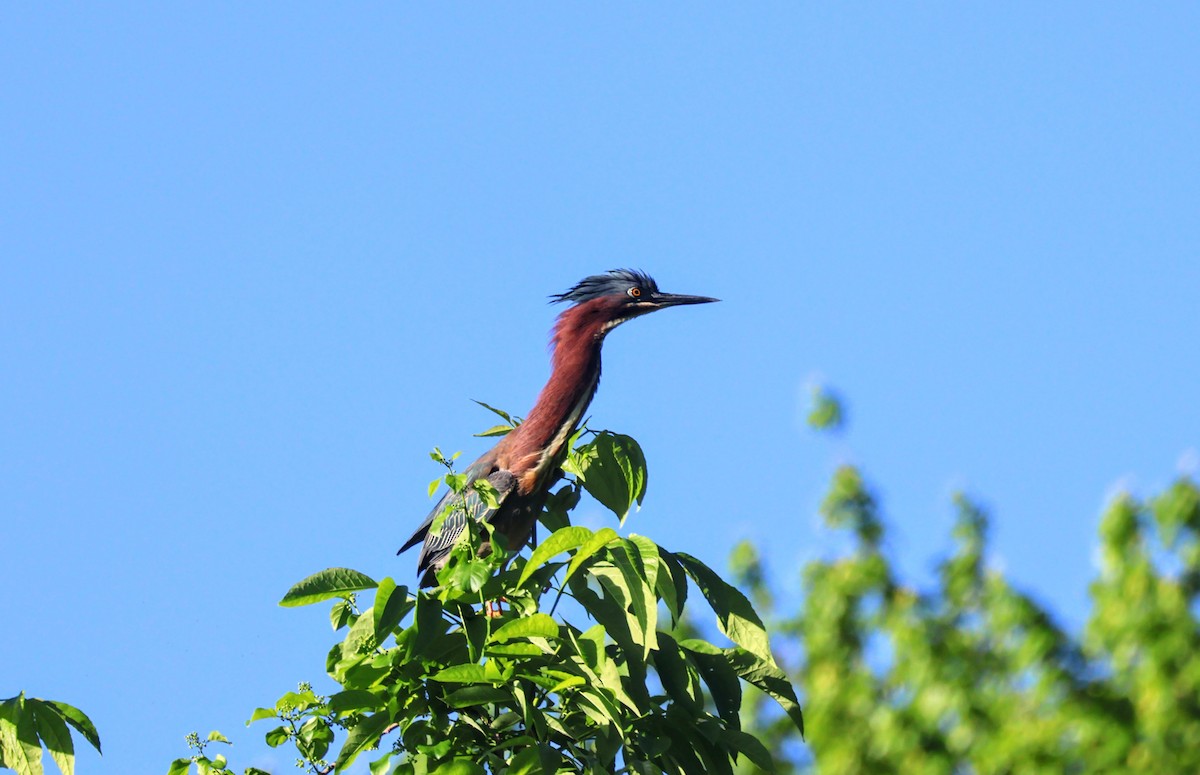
(976, 675)
(581, 671)
(597, 666)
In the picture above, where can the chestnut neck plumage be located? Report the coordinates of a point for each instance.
(536, 447)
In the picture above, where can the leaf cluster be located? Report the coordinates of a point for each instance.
(566, 659)
(28, 723)
(976, 675)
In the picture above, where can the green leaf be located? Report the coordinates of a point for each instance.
(314, 738)
(277, 737)
(589, 644)
(360, 638)
(428, 752)
(554, 516)
(496, 430)
(216, 737)
(390, 606)
(721, 678)
(602, 538)
(461, 674)
(18, 738)
(475, 628)
(476, 695)
(505, 415)
(362, 736)
(770, 679)
(180, 767)
(471, 575)
(647, 551)
(672, 584)
(644, 553)
(354, 700)
(535, 626)
(674, 674)
(261, 713)
(641, 593)
(527, 761)
(735, 615)
(570, 682)
(562, 540)
(613, 470)
(459, 766)
(514, 650)
(487, 492)
(339, 614)
(381, 766)
(613, 680)
(54, 734)
(78, 719)
(326, 584)
(429, 624)
(605, 711)
(702, 738)
(609, 610)
(614, 611)
(750, 746)
(297, 701)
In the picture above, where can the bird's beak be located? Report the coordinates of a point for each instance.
(663, 300)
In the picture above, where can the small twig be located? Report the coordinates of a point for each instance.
(562, 588)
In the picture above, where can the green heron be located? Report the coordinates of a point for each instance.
(526, 463)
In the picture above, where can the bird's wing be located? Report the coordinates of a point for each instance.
(481, 467)
(471, 505)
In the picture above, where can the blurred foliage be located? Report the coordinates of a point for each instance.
(827, 411)
(975, 675)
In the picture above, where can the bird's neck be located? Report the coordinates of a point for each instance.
(536, 447)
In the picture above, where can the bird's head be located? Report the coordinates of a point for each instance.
(624, 294)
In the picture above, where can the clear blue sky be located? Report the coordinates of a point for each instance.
(256, 261)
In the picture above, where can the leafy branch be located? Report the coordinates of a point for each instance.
(435, 682)
(28, 723)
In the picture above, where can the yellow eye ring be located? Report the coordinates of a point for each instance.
(635, 292)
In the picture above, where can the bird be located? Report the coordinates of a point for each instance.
(526, 463)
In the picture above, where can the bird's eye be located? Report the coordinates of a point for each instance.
(635, 292)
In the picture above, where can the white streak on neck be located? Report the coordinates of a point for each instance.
(551, 453)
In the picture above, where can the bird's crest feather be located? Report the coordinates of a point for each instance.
(615, 281)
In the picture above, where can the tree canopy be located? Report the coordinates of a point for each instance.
(976, 673)
(583, 654)
(565, 659)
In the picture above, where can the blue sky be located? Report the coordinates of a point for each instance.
(256, 261)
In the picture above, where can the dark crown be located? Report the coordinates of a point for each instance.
(615, 281)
